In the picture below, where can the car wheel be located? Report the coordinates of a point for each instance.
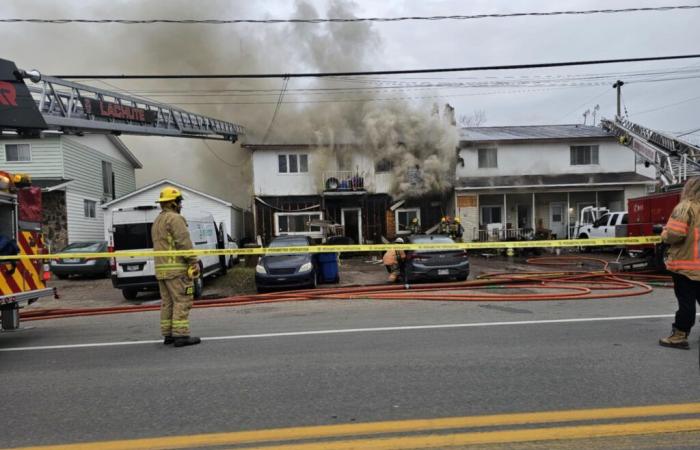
(463, 277)
(231, 262)
(585, 249)
(314, 280)
(61, 277)
(260, 289)
(130, 293)
(199, 286)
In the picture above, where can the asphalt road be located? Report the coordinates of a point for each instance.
(107, 378)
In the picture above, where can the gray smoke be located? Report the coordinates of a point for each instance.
(418, 143)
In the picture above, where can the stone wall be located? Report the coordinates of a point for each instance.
(55, 220)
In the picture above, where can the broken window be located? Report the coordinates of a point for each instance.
(404, 217)
(582, 155)
(297, 223)
(488, 158)
(383, 165)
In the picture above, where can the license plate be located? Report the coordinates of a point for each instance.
(71, 260)
(443, 271)
(132, 268)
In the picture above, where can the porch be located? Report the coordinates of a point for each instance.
(538, 214)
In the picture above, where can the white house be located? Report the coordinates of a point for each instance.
(522, 178)
(296, 185)
(76, 174)
(194, 202)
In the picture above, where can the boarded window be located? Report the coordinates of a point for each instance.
(582, 155)
(18, 152)
(488, 158)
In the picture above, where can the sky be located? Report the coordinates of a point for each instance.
(552, 97)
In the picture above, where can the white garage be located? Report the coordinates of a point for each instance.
(195, 203)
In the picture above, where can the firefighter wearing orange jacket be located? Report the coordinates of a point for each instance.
(682, 233)
(175, 274)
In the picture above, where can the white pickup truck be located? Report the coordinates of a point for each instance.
(610, 224)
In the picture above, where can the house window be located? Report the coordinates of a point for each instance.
(297, 223)
(383, 166)
(490, 214)
(488, 158)
(107, 180)
(582, 155)
(293, 163)
(90, 207)
(403, 218)
(18, 152)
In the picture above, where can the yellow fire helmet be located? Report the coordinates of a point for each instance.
(169, 194)
(457, 220)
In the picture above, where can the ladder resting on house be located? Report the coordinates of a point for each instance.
(675, 159)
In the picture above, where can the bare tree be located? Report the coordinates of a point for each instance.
(475, 119)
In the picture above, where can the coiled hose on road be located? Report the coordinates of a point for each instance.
(540, 286)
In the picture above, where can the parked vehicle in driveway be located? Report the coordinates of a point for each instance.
(131, 230)
(63, 268)
(435, 264)
(289, 270)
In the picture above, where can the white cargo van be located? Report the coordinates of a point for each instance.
(131, 230)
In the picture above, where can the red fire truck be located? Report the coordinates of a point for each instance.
(52, 104)
(675, 161)
(22, 281)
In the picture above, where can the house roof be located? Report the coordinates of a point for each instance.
(534, 181)
(531, 132)
(50, 184)
(168, 182)
(125, 151)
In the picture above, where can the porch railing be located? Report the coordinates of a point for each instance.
(501, 234)
(345, 180)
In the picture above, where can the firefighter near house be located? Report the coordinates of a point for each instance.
(22, 281)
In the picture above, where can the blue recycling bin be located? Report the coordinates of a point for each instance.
(328, 265)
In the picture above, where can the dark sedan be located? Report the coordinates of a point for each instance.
(63, 268)
(435, 264)
(288, 270)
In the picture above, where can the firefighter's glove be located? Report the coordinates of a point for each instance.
(193, 271)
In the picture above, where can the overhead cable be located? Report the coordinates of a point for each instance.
(344, 19)
(380, 72)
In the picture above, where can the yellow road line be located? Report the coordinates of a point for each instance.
(402, 426)
(501, 437)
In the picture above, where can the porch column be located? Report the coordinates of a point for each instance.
(533, 211)
(568, 215)
(596, 201)
(505, 214)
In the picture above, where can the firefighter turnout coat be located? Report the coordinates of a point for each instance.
(170, 232)
(682, 233)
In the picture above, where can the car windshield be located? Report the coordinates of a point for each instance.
(431, 240)
(83, 247)
(289, 242)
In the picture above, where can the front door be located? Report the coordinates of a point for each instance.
(351, 219)
(524, 217)
(557, 219)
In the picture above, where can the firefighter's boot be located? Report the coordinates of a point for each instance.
(182, 341)
(677, 339)
(167, 340)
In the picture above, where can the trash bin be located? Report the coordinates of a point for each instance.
(328, 265)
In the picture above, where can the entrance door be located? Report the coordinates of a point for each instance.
(351, 219)
(557, 219)
(524, 217)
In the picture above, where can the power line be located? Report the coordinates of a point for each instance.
(343, 19)
(277, 108)
(380, 72)
(666, 106)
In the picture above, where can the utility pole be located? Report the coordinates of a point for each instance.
(618, 85)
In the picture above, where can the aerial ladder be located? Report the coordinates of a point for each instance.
(50, 103)
(674, 159)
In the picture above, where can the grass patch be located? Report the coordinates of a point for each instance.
(238, 281)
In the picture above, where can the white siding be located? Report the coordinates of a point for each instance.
(543, 158)
(46, 158)
(193, 205)
(83, 165)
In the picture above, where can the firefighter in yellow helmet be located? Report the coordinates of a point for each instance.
(444, 226)
(456, 229)
(175, 274)
(414, 226)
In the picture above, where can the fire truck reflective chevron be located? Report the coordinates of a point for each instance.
(21, 278)
(22, 275)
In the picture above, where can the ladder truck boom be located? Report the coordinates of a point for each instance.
(674, 159)
(76, 108)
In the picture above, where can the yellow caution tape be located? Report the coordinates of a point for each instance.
(605, 242)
